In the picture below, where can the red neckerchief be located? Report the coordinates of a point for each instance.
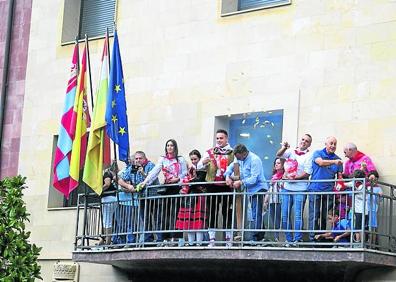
(300, 153)
(357, 156)
(170, 156)
(277, 175)
(173, 169)
(145, 162)
(222, 150)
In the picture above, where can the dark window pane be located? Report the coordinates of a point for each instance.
(250, 4)
(260, 132)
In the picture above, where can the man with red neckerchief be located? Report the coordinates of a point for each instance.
(216, 160)
(356, 160)
(300, 159)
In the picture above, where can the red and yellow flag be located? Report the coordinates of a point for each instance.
(82, 121)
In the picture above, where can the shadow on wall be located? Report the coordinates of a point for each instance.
(377, 275)
(249, 271)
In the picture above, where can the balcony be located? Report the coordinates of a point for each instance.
(247, 239)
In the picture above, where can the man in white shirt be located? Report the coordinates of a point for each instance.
(301, 160)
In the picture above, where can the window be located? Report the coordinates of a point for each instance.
(230, 7)
(260, 132)
(90, 17)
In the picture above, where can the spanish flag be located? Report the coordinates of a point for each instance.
(93, 170)
(82, 121)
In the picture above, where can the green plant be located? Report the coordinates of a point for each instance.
(18, 258)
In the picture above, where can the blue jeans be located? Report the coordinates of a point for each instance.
(319, 206)
(255, 217)
(109, 205)
(288, 201)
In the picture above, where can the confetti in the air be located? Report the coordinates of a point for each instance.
(257, 122)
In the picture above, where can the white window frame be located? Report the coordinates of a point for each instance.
(232, 7)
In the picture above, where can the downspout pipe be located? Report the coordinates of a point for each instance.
(4, 80)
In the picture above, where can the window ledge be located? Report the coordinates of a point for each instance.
(61, 209)
(274, 5)
(89, 39)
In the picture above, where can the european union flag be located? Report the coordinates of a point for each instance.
(116, 111)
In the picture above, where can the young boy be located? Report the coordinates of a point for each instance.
(340, 229)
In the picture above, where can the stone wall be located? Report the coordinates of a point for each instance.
(9, 153)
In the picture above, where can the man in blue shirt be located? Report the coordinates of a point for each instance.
(129, 179)
(325, 165)
(252, 181)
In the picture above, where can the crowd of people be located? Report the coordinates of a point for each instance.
(203, 198)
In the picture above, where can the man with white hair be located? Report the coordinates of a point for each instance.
(356, 160)
(325, 165)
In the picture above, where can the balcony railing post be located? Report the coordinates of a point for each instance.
(353, 212)
(363, 237)
(117, 213)
(101, 227)
(146, 215)
(391, 237)
(370, 231)
(77, 221)
(351, 241)
(234, 213)
(244, 203)
(85, 219)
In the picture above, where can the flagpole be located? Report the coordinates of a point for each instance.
(92, 101)
(78, 56)
(78, 74)
(89, 71)
(108, 46)
(108, 73)
(85, 219)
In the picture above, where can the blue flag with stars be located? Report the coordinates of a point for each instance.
(116, 111)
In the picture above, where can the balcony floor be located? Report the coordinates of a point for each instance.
(233, 264)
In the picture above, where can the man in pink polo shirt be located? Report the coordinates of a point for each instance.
(356, 160)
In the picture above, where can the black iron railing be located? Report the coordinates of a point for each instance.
(203, 218)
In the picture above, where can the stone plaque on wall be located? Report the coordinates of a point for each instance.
(66, 272)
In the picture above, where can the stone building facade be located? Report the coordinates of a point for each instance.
(189, 67)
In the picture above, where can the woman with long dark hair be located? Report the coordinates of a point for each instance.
(174, 169)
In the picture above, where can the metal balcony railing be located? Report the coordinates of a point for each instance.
(237, 219)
